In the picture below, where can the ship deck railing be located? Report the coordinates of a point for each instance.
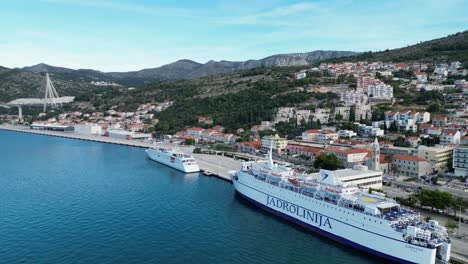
(317, 196)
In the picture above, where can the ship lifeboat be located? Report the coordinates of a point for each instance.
(328, 189)
(276, 174)
(310, 184)
(294, 181)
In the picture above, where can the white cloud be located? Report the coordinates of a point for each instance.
(271, 16)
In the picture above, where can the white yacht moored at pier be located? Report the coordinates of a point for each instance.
(174, 159)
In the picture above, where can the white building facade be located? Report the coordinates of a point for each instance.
(460, 161)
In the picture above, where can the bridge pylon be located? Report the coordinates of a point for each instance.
(50, 93)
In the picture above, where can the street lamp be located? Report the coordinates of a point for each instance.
(459, 221)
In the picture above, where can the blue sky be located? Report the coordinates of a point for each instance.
(122, 35)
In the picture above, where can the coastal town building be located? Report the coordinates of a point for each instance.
(352, 97)
(322, 115)
(363, 83)
(300, 74)
(370, 131)
(362, 112)
(322, 136)
(88, 129)
(439, 120)
(194, 132)
(206, 134)
(128, 135)
(218, 128)
(392, 150)
(311, 135)
(346, 134)
(421, 77)
(434, 131)
(406, 120)
(412, 166)
(327, 136)
(380, 91)
(460, 161)
(299, 150)
(450, 137)
(285, 114)
(348, 156)
(413, 141)
(278, 143)
(342, 112)
(464, 140)
(205, 120)
(439, 157)
(248, 146)
(51, 126)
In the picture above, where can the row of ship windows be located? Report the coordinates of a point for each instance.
(303, 197)
(363, 178)
(369, 183)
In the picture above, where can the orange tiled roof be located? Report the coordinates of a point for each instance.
(407, 157)
(347, 151)
(255, 144)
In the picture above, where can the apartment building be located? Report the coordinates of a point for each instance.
(439, 157)
(278, 143)
(460, 161)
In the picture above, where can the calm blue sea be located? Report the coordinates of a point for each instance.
(71, 201)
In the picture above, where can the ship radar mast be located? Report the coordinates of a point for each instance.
(270, 156)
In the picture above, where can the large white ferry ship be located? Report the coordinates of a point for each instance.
(345, 213)
(174, 159)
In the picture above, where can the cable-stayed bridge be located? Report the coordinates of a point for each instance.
(51, 98)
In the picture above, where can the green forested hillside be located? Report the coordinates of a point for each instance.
(237, 110)
(233, 100)
(451, 48)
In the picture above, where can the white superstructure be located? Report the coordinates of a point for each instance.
(174, 159)
(345, 213)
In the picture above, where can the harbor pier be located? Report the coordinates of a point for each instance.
(218, 166)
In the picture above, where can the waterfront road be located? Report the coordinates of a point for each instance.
(415, 185)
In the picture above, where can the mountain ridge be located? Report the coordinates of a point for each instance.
(189, 69)
(25, 82)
